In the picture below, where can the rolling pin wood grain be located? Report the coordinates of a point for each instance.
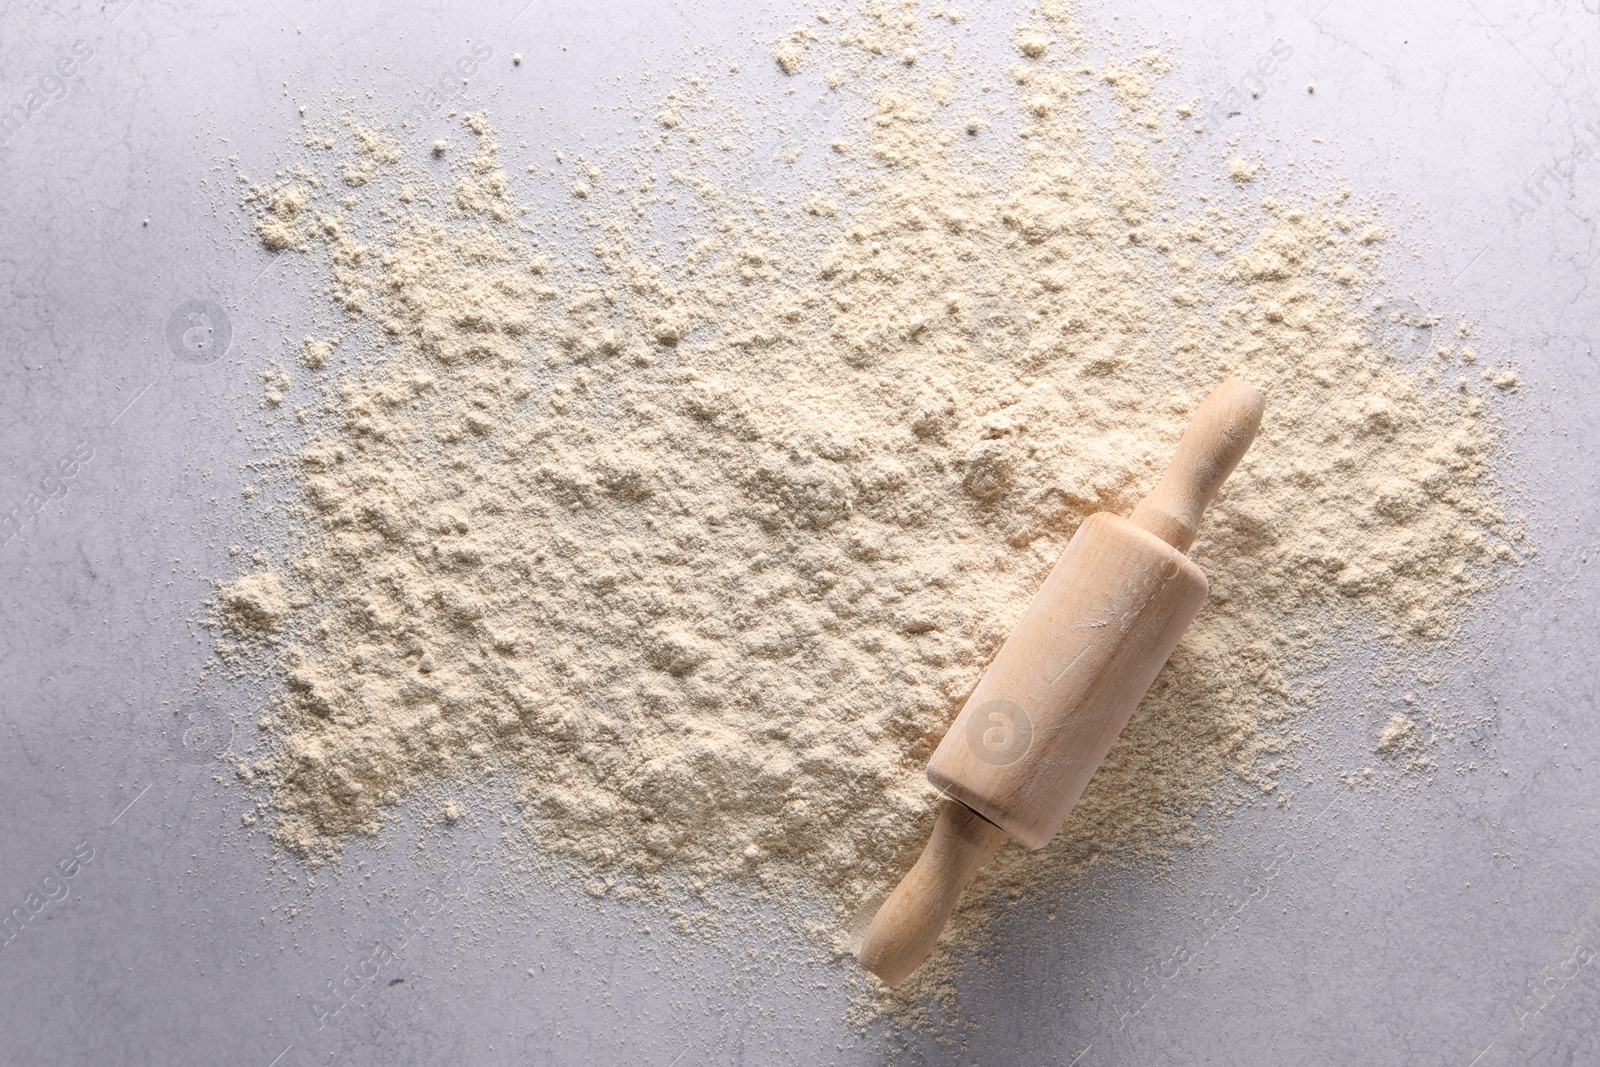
(1065, 683)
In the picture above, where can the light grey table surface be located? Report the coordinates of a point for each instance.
(1454, 922)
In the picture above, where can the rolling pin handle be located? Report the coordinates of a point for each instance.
(908, 923)
(1217, 438)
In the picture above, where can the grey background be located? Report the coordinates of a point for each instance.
(1408, 922)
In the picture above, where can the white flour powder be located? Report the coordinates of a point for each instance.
(707, 543)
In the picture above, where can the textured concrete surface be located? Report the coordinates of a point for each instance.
(1451, 923)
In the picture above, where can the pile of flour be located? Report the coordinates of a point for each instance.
(706, 540)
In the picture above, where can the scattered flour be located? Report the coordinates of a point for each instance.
(254, 605)
(1397, 735)
(315, 354)
(706, 544)
(279, 226)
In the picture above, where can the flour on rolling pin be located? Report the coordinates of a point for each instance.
(1064, 684)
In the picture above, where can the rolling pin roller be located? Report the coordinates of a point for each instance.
(1065, 683)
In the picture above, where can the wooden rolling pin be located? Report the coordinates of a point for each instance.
(1065, 683)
